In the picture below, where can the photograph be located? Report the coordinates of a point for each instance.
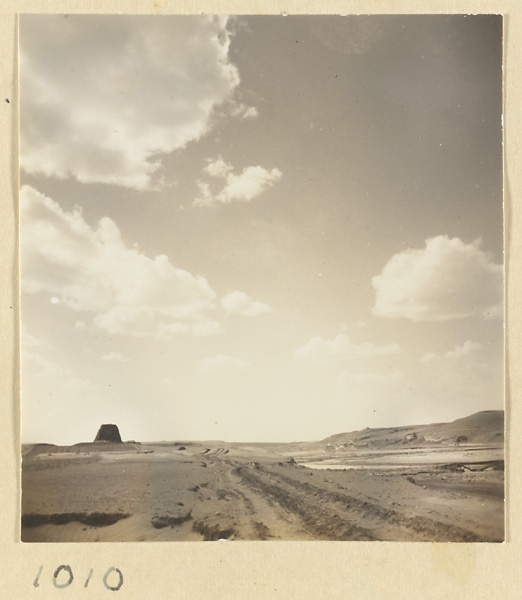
(261, 278)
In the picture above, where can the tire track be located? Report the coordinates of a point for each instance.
(310, 501)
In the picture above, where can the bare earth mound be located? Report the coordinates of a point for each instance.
(486, 427)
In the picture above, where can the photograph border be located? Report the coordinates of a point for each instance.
(252, 570)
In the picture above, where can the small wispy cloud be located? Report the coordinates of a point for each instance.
(243, 111)
(246, 186)
(218, 168)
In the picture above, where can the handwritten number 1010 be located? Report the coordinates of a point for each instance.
(63, 577)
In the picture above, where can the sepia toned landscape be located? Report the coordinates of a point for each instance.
(261, 277)
(440, 482)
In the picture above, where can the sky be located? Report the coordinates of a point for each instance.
(259, 228)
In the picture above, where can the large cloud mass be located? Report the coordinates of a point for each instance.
(103, 96)
(447, 279)
(92, 270)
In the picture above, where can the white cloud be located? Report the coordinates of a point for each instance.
(246, 186)
(341, 348)
(221, 362)
(447, 279)
(252, 182)
(205, 197)
(250, 112)
(240, 304)
(218, 168)
(102, 97)
(244, 112)
(93, 271)
(114, 357)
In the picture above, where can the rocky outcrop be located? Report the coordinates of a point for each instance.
(108, 433)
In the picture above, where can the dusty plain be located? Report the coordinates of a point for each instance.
(441, 482)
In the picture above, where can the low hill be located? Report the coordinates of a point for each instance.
(82, 447)
(485, 427)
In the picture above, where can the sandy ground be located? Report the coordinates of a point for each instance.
(257, 492)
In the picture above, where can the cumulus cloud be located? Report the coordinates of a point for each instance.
(341, 348)
(239, 303)
(205, 197)
(221, 362)
(103, 97)
(114, 357)
(90, 269)
(447, 279)
(243, 111)
(252, 182)
(246, 186)
(250, 112)
(218, 168)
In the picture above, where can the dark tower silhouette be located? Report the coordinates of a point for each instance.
(108, 433)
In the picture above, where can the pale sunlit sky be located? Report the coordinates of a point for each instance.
(259, 228)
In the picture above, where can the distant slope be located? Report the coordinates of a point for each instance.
(485, 427)
(82, 447)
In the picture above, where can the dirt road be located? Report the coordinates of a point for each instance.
(211, 493)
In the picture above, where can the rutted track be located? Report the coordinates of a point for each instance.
(196, 492)
(244, 513)
(339, 516)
